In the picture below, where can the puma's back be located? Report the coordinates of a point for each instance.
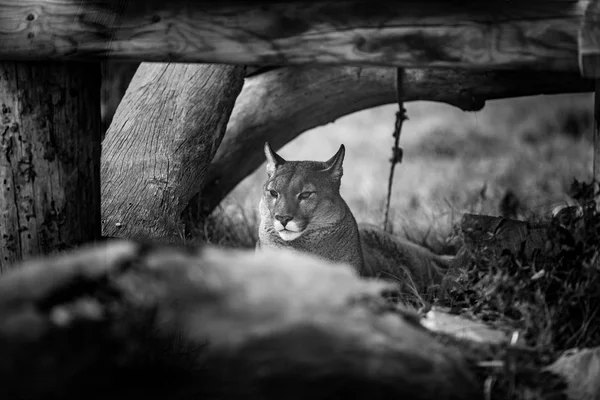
(392, 257)
(301, 209)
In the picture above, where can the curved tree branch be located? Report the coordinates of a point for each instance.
(278, 104)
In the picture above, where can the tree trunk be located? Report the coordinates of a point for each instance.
(160, 143)
(279, 104)
(50, 160)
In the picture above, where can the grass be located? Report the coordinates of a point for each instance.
(516, 157)
(552, 298)
(454, 161)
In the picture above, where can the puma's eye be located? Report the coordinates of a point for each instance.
(273, 193)
(304, 195)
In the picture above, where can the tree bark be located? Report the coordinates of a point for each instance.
(160, 144)
(50, 161)
(495, 34)
(279, 104)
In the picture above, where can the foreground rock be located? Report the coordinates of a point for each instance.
(123, 320)
(581, 369)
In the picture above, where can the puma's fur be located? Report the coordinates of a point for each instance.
(391, 257)
(301, 208)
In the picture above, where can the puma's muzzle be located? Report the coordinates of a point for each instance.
(289, 232)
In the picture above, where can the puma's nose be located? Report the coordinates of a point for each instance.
(284, 219)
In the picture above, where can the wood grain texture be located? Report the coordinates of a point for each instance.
(116, 76)
(589, 41)
(160, 143)
(278, 105)
(473, 34)
(50, 157)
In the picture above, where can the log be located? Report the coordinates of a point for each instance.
(497, 34)
(488, 237)
(279, 104)
(160, 144)
(50, 161)
(116, 76)
(123, 320)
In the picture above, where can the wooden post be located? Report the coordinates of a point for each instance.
(589, 41)
(160, 143)
(589, 66)
(49, 157)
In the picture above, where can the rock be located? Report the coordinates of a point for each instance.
(123, 320)
(581, 370)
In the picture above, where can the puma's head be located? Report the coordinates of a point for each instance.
(302, 195)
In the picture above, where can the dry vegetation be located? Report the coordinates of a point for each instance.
(517, 158)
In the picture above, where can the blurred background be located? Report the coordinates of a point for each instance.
(516, 157)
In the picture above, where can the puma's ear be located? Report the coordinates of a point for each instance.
(274, 160)
(334, 164)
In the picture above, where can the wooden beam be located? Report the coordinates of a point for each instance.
(494, 34)
(50, 159)
(280, 104)
(589, 41)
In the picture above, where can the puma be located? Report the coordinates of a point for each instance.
(301, 209)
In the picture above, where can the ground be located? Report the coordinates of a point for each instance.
(454, 162)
